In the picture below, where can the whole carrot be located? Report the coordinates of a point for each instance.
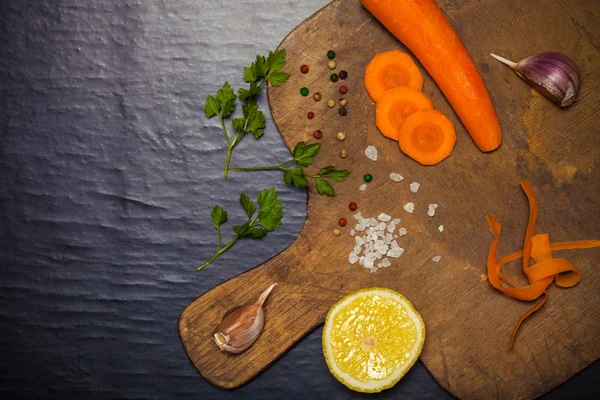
(424, 29)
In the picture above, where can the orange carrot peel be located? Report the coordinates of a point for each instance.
(545, 270)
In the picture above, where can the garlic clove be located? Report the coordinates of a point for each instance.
(554, 75)
(241, 326)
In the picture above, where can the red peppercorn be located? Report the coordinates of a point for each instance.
(352, 206)
(342, 222)
(343, 89)
(304, 69)
(310, 115)
(318, 134)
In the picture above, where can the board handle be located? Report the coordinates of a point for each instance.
(295, 307)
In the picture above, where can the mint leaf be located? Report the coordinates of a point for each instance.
(211, 108)
(218, 217)
(261, 66)
(255, 232)
(323, 187)
(305, 154)
(271, 212)
(247, 204)
(296, 177)
(250, 74)
(276, 60)
(277, 78)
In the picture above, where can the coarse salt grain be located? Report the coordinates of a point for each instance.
(371, 153)
(352, 232)
(441, 228)
(363, 187)
(396, 177)
(376, 242)
(384, 217)
(414, 187)
(431, 209)
(409, 207)
(402, 231)
(436, 258)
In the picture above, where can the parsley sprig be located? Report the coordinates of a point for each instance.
(258, 224)
(263, 70)
(304, 155)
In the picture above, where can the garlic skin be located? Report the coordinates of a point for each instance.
(554, 75)
(240, 327)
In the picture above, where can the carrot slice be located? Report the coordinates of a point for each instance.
(389, 70)
(545, 270)
(427, 136)
(397, 104)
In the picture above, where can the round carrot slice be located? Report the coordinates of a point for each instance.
(397, 104)
(389, 70)
(427, 136)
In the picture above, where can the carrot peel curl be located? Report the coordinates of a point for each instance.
(546, 268)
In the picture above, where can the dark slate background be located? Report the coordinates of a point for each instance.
(108, 172)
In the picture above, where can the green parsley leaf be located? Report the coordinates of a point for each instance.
(255, 232)
(331, 173)
(305, 154)
(250, 74)
(238, 124)
(244, 94)
(296, 177)
(241, 230)
(323, 187)
(261, 66)
(211, 108)
(277, 78)
(276, 60)
(271, 212)
(247, 204)
(218, 216)
(256, 124)
(226, 98)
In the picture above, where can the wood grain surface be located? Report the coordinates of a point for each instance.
(468, 322)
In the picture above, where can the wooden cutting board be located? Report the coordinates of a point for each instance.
(468, 323)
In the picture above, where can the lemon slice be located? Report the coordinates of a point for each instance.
(371, 339)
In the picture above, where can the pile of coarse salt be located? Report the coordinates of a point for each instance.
(374, 241)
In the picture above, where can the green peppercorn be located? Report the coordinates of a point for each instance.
(304, 91)
(331, 54)
(333, 78)
(368, 178)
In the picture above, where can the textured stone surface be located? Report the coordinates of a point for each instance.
(108, 172)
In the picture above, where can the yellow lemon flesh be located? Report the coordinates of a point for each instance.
(371, 339)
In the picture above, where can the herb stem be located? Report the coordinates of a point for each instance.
(219, 238)
(219, 252)
(224, 129)
(266, 168)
